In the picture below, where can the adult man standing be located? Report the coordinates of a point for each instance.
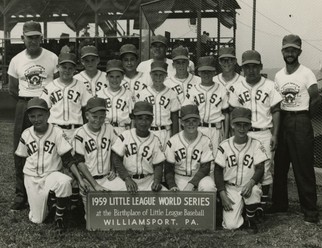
(298, 87)
(28, 71)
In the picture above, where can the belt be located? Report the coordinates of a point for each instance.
(25, 98)
(255, 129)
(115, 124)
(158, 128)
(71, 126)
(99, 176)
(216, 124)
(139, 176)
(296, 112)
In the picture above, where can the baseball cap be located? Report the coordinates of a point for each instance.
(89, 50)
(189, 111)
(226, 52)
(31, 28)
(159, 39)
(114, 65)
(143, 108)
(159, 66)
(37, 103)
(206, 63)
(67, 57)
(128, 48)
(241, 115)
(292, 40)
(95, 104)
(179, 53)
(251, 57)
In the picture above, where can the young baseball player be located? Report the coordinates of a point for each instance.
(165, 103)
(188, 155)
(182, 80)
(119, 100)
(93, 78)
(137, 156)
(46, 151)
(212, 101)
(92, 145)
(66, 96)
(133, 79)
(260, 95)
(239, 167)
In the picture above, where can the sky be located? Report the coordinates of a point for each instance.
(274, 19)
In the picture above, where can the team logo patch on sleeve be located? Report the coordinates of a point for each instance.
(262, 148)
(221, 149)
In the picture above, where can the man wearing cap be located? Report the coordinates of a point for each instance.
(212, 101)
(298, 87)
(119, 100)
(227, 62)
(182, 80)
(239, 168)
(93, 78)
(46, 152)
(165, 103)
(188, 155)
(28, 71)
(66, 96)
(260, 95)
(137, 156)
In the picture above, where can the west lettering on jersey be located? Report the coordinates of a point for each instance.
(182, 154)
(49, 146)
(232, 161)
(32, 147)
(91, 146)
(120, 104)
(57, 96)
(260, 96)
(215, 99)
(246, 97)
(131, 149)
(248, 161)
(177, 89)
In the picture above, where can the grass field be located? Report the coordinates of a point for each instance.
(284, 230)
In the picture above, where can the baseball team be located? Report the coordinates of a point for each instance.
(156, 126)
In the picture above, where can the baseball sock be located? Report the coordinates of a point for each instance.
(251, 212)
(74, 198)
(264, 198)
(51, 202)
(60, 208)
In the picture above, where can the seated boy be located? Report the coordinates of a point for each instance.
(46, 152)
(239, 166)
(137, 156)
(188, 155)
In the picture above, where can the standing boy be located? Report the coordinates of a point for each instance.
(239, 167)
(137, 156)
(188, 155)
(93, 78)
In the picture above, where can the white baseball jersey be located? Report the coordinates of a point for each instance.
(95, 84)
(33, 74)
(65, 101)
(181, 86)
(238, 161)
(211, 100)
(95, 147)
(43, 154)
(164, 102)
(119, 105)
(133, 84)
(294, 88)
(187, 157)
(259, 98)
(219, 79)
(139, 154)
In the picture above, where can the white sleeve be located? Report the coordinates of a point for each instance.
(63, 145)
(22, 148)
(260, 154)
(220, 158)
(158, 155)
(233, 98)
(78, 143)
(169, 151)
(207, 152)
(118, 146)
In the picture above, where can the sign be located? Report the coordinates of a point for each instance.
(147, 209)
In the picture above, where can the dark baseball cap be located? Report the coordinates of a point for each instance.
(180, 52)
(37, 103)
(292, 40)
(189, 111)
(251, 57)
(128, 48)
(95, 104)
(89, 50)
(114, 65)
(159, 39)
(207, 63)
(241, 115)
(31, 28)
(143, 108)
(226, 52)
(67, 58)
(159, 66)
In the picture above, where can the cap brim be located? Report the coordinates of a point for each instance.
(132, 52)
(227, 56)
(114, 69)
(251, 62)
(143, 113)
(206, 68)
(190, 116)
(89, 54)
(92, 110)
(291, 45)
(241, 119)
(37, 107)
(67, 61)
(180, 57)
(157, 41)
(159, 69)
(31, 33)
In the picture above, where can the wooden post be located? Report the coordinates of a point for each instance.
(254, 25)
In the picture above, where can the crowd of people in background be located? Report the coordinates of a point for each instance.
(161, 124)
